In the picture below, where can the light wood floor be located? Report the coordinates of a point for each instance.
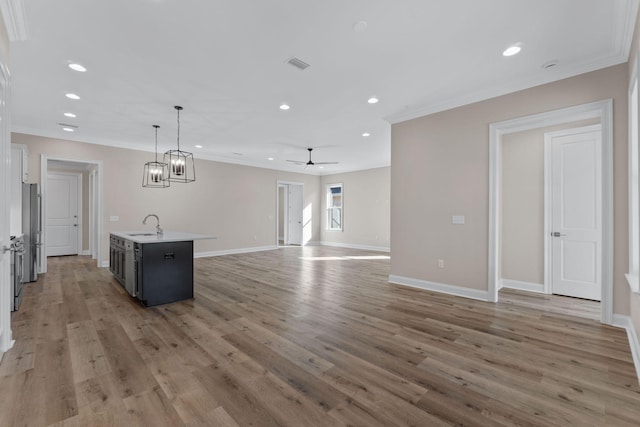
(309, 336)
(587, 309)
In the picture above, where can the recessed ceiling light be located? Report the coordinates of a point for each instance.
(77, 67)
(366, 134)
(270, 158)
(69, 114)
(198, 146)
(68, 129)
(320, 167)
(284, 106)
(373, 100)
(512, 50)
(72, 96)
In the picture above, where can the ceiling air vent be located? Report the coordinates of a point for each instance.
(298, 63)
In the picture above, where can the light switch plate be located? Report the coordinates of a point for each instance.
(114, 218)
(457, 219)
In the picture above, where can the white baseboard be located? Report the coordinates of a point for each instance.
(626, 323)
(522, 286)
(104, 263)
(234, 251)
(440, 287)
(86, 252)
(6, 342)
(352, 246)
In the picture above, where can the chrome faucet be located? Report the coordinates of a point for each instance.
(158, 229)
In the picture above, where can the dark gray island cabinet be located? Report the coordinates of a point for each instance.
(155, 269)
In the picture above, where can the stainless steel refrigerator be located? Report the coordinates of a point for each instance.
(31, 228)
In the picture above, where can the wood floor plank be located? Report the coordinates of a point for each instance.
(152, 408)
(235, 395)
(131, 373)
(20, 359)
(218, 417)
(309, 336)
(321, 394)
(87, 354)
(294, 353)
(54, 373)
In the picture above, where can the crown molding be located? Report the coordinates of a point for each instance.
(626, 14)
(15, 19)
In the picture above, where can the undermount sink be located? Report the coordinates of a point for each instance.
(141, 234)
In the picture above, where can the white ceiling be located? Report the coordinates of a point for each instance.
(224, 61)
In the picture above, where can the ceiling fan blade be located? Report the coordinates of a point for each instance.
(297, 162)
(326, 163)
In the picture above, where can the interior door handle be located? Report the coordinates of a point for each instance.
(75, 225)
(557, 234)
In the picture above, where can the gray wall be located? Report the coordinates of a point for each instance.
(366, 198)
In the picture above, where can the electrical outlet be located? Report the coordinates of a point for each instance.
(441, 263)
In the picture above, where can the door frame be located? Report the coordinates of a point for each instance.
(602, 110)
(6, 334)
(548, 205)
(286, 184)
(96, 199)
(285, 202)
(80, 219)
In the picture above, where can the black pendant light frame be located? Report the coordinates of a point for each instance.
(156, 174)
(180, 163)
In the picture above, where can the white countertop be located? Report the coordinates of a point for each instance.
(150, 236)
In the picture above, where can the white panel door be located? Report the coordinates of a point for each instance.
(576, 219)
(295, 215)
(62, 214)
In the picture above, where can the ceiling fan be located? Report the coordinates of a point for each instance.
(310, 162)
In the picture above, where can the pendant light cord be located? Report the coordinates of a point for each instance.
(156, 126)
(178, 127)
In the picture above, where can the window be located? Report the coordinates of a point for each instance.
(334, 207)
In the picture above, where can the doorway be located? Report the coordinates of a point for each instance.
(289, 207)
(90, 214)
(601, 111)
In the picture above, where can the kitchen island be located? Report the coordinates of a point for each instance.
(154, 268)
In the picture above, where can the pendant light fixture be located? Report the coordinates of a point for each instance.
(181, 165)
(155, 173)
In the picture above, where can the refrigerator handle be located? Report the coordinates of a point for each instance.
(39, 219)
